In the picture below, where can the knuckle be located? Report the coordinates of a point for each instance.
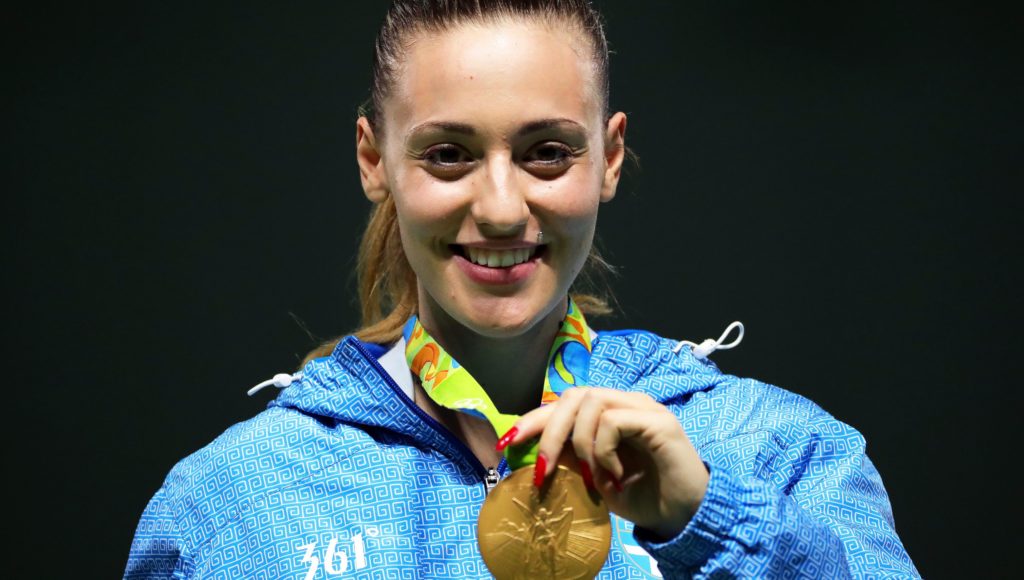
(612, 418)
(570, 394)
(603, 447)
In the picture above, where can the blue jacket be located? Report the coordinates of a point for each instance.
(343, 475)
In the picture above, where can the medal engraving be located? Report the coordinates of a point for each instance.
(557, 531)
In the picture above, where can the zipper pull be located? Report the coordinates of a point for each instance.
(491, 479)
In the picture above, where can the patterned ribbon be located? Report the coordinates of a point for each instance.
(450, 385)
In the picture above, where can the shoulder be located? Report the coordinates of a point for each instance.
(277, 448)
(267, 437)
(638, 358)
(699, 392)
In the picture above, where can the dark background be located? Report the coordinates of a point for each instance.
(844, 178)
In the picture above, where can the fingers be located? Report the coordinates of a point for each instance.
(616, 425)
(559, 426)
(585, 428)
(630, 449)
(528, 426)
(586, 416)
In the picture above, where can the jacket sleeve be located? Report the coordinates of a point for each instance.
(158, 549)
(822, 514)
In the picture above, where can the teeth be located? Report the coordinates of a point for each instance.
(499, 258)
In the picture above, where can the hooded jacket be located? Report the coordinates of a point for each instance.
(344, 476)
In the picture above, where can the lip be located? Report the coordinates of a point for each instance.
(498, 245)
(507, 276)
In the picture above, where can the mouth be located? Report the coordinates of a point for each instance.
(494, 258)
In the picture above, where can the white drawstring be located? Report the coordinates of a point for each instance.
(702, 350)
(280, 381)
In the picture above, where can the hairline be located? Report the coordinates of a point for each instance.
(581, 39)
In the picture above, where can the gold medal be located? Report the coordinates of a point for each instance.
(559, 530)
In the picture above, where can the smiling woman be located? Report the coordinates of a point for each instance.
(441, 147)
(476, 422)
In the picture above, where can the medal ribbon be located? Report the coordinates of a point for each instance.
(450, 385)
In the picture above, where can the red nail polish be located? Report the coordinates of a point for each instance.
(506, 439)
(539, 470)
(588, 476)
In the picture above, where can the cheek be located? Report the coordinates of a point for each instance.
(573, 201)
(426, 207)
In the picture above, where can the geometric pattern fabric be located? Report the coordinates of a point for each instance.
(343, 476)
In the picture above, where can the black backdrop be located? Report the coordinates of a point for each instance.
(842, 177)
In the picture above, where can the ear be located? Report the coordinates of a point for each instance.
(371, 163)
(614, 154)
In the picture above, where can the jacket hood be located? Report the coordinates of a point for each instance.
(349, 386)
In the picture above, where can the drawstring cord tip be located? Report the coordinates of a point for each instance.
(281, 381)
(703, 350)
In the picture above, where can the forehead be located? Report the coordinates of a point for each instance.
(494, 74)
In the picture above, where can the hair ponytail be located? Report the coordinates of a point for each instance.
(387, 283)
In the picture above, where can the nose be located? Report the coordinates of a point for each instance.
(499, 206)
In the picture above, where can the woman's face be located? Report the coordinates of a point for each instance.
(491, 135)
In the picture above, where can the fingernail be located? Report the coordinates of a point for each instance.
(539, 470)
(506, 439)
(588, 476)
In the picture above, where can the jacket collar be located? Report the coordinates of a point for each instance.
(351, 386)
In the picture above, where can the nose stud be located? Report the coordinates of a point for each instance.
(540, 237)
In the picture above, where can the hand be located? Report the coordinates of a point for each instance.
(631, 449)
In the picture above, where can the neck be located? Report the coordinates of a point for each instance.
(510, 369)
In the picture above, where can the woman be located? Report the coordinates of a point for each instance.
(488, 151)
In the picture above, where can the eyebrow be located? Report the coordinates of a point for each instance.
(442, 126)
(542, 124)
(467, 129)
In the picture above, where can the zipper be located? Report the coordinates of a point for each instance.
(491, 479)
(494, 474)
(459, 446)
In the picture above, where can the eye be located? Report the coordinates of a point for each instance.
(549, 158)
(447, 159)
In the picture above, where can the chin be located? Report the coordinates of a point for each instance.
(493, 311)
(501, 316)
